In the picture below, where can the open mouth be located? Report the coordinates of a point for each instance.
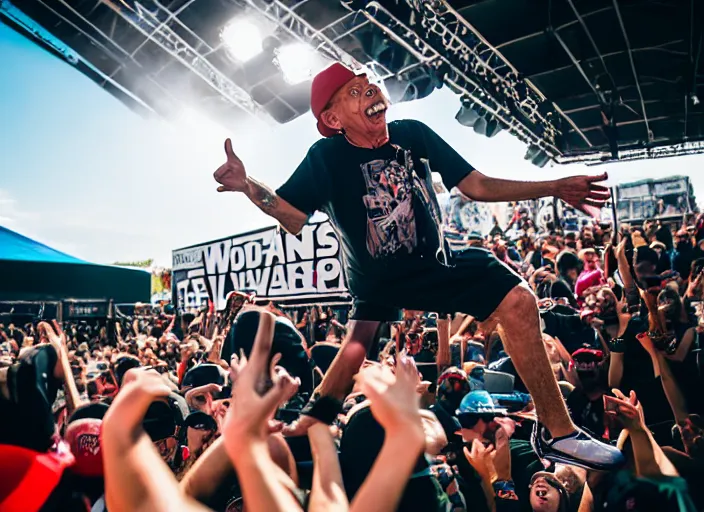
(375, 111)
(541, 492)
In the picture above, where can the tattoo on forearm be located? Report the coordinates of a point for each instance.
(263, 196)
(290, 219)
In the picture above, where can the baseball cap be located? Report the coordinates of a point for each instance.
(453, 385)
(478, 402)
(200, 421)
(287, 341)
(204, 373)
(325, 85)
(164, 416)
(95, 410)
(28, 478)
(123, 365)
(83, 436)
(584, 357)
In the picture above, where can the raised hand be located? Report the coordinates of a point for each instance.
(395, 402)
(627, 410)
(140, 387)
(260, 389)
(231, 175)
(584, 193)
(482, 460)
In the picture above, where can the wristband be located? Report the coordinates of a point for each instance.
(505, 490)
(617, 346)
(323, 408)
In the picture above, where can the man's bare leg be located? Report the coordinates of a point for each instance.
(339, 377)
(519, 322)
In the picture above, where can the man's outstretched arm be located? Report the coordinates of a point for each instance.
(290, 218)
(578, 191)
(232, 177)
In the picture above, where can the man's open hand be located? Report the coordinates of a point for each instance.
(584, 192)
(231, 175)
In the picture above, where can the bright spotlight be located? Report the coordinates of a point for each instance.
(297, 61)
(242, 39)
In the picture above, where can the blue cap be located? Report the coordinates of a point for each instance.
(479, 402)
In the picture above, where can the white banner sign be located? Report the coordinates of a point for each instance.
(271, 263)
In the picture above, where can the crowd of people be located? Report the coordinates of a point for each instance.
(168, 410)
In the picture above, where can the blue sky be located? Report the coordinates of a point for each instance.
(81, 172)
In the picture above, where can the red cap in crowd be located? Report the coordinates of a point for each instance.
(83, 436)
(325, 85)
(27, 478)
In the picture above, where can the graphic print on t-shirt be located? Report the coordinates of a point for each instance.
(391, 223)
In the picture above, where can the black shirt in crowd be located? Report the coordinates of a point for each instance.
(369, 196)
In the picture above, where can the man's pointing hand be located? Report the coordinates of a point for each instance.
(231, 175)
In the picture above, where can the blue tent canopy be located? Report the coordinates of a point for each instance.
(30, 270)
(14, 246)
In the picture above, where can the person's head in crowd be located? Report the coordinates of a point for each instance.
(202, 375)
(288, 341)
(664, 235)
(590, 259)
(480, 417)
(671, 310)
(200, 429)
(605, 306)
(683, 240)
(568, 266)
(124, 363)
(659, 248)
(500, 248)
(83, 436)
(571, 240)
(587, 239)
(453, 385)
(588, 363)
(186, 320)
(547, 493)
(475, 239)
(650, 226)
(164, 424)
(644, 265)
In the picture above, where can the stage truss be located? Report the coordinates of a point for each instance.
(139, 50)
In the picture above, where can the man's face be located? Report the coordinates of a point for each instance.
(358, 107)
(544, 497)
(167, 448)
(590, 261)
(485, 429)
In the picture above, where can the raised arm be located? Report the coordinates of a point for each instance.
(232, 177)
(582, 192)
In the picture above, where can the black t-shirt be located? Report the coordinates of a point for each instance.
(368, 194)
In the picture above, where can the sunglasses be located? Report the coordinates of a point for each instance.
(469, 420)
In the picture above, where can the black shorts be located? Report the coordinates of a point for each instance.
(475, 284)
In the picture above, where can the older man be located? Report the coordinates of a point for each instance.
(373, 181)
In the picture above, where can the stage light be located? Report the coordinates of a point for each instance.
(532, 152)
(242, 39)
(467, 115)
(537, 156)
(297, 62)
(493, 126)
(480, 126)
(541, 159)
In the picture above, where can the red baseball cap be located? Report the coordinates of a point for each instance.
(83, 436)
(325, 85)
(28, 478)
